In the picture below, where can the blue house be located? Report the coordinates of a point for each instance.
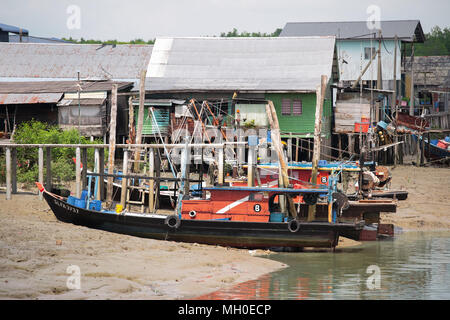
(356, 43)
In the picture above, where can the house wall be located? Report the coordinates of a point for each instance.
(303, 124)
(352, 51)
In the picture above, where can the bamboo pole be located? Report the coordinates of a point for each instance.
(411, 100)
(112, 143)
(320, 94)
(41, 169)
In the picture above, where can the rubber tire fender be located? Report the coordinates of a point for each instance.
(293, 225)
(173, 221)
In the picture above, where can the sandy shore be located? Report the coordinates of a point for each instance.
(36, 250)
(428, 203)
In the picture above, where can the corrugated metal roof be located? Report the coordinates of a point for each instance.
(245, 64)
(83, 102)
(63, 61)
(13, 29)
(29, 98)
(59, 86)
(405, 30)
(32, 39)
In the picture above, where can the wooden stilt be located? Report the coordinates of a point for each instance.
(84, 166)
(124, 189)
(48, 167)
(112, 144)
(97, 170)
(14, 170)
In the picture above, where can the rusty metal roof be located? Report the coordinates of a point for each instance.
(59, 86)
(63, 61)
(29, 98)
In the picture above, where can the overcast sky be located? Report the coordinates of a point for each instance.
(148, 19)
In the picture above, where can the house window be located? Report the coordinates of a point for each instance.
(286, 107)
(368, 54)
(297, 108)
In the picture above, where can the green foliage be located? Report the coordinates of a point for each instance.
(437, 43)
(235, 33)
(111, 42)
(35, 132)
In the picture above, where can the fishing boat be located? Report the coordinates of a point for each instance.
(438, 148)
(226, 216)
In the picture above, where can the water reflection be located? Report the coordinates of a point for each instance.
(413, 266)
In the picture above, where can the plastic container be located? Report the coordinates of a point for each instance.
(95, 205)
(80, 203)
(119, 208)
(71, 200)
(276, 217)
(84, 194)
(364, 119)
(361, 127)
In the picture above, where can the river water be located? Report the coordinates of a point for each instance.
(414, 265)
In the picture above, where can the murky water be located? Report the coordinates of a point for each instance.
(416, 265)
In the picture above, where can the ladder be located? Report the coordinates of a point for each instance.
(133, 187)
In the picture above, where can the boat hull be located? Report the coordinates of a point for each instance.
(214, 232)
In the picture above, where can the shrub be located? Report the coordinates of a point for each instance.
(35, 132)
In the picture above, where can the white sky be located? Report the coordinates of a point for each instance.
(148, 19)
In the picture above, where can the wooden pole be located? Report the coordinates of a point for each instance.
(123, 191)
(84, 166)
(394, 101)
(251, 166)
(140, 121)
(102, 170)
(379, 78)
(221, 165)
(112, 144)
(41, 169)
(151, 173)
(97, 170)
(78, 172)
(276, 144)
(411, 100)
(131, 129)
(48, 167)
(296, 149)
(320, 95)
(157, 175)
(14, 170)
(8, 173)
